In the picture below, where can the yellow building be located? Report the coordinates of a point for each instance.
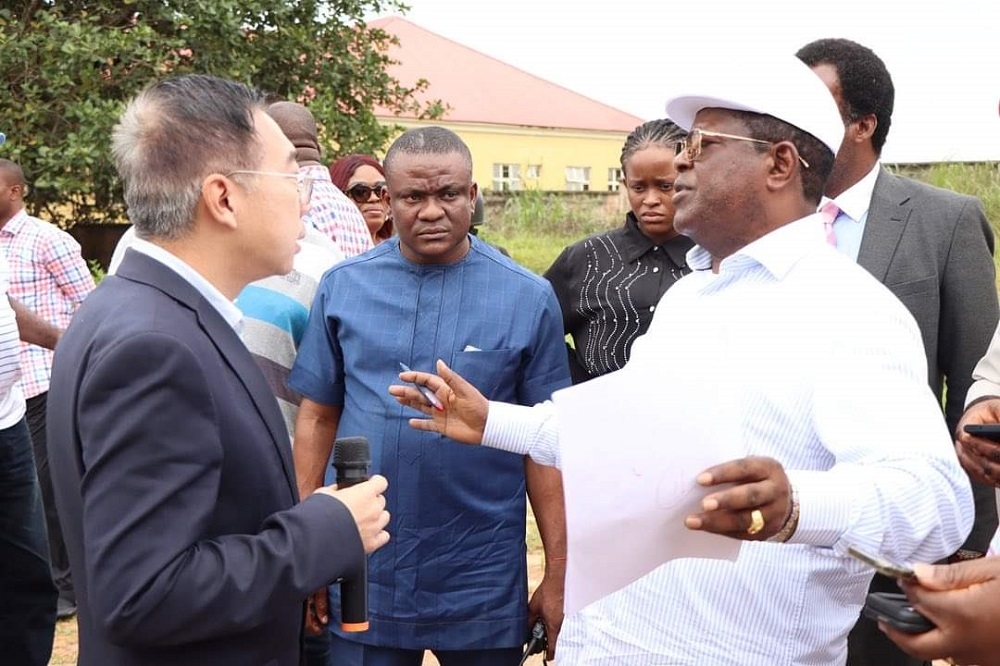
(524, 132)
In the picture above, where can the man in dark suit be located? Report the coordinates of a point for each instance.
(173, 472)
(931, 247)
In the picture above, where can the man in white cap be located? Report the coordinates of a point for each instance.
(826, 379)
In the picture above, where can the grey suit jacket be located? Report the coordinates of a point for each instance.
(933, 249)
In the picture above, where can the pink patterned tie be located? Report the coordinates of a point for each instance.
(830, 212)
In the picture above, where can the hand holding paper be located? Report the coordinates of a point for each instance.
(631, 482)
(760, 485)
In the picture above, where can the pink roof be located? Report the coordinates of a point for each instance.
(481, 89)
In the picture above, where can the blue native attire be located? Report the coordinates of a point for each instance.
(453, 576)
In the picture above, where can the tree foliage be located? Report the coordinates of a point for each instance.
(69, 67)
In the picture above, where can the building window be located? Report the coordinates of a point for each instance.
(534, 172)
(506, 177)
(578, 179)
(614, 179)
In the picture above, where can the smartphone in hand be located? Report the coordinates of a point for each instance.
(884, 567)
(990, 431)
(894, 609)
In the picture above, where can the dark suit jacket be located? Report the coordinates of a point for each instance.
(175, 485)
(933, 248)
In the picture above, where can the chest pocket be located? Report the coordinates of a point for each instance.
(914, 287)
(493, 372)
(21, 261)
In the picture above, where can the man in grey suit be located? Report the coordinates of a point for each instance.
(931, 247)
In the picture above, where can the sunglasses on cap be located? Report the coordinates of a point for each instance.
(361, 192)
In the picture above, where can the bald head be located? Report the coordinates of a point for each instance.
(11, 190)
(11, 173)
(298, 124)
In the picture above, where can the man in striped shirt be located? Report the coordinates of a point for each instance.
(27, 593)
(817, 368)
(48, 275)
(276, 310)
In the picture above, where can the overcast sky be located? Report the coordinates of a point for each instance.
(944, 57)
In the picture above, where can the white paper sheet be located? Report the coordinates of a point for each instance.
(631, 449)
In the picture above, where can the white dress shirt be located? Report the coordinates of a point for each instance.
(825, 372)
(232, 314)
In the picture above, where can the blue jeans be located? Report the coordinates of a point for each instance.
(349, 653)
(27, 593)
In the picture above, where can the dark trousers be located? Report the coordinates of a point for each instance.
(27, 594)
(316, 650)
(348, 653)
(57, 547)
(867, 646)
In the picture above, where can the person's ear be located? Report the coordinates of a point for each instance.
(473, 195)
(220, 199)
(862, 129)
(783, 164)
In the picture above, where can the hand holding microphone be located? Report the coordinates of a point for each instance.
(351, 459)
(364, 499)
(367, 506)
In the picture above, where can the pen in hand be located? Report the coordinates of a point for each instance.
(424, 391)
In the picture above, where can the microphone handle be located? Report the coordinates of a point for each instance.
(353, 591)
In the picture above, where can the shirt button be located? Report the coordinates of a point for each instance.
(652, 308)
(656, 269)
(655, 248)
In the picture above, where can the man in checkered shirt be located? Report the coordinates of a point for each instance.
(48, 275)
(330, 211)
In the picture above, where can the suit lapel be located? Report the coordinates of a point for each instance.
(887, 218)
(141, 268)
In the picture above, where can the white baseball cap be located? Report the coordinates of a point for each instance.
(783, 87)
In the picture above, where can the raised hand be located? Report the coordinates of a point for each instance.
(463, 416)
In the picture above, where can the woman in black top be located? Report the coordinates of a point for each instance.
(608, 285)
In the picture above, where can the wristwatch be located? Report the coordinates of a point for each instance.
(791, 523)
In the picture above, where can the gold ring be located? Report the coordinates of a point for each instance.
(756, 522)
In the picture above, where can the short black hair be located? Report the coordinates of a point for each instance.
(431, 140)
(660, 132)
(865, 84)
(817, 154)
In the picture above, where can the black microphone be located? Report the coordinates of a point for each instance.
(351, 458)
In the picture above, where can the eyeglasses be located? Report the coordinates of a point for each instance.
(304, 184)
(691, 145)
(362, 193)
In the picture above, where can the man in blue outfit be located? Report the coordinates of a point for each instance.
(453, 579)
